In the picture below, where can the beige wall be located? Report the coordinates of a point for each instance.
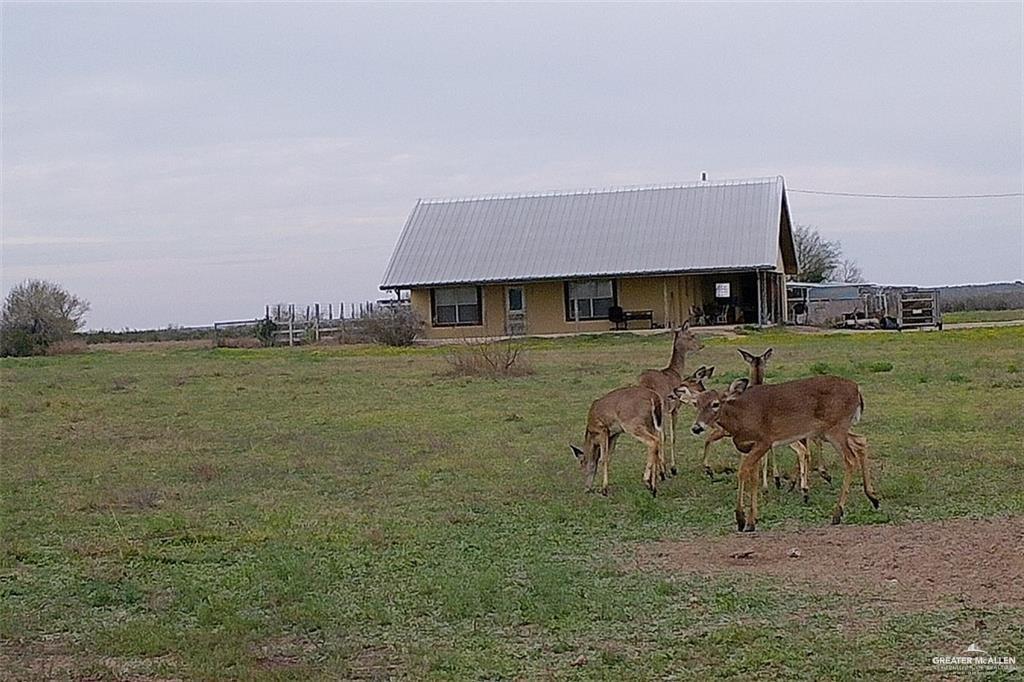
(670, 298)
(493, 315)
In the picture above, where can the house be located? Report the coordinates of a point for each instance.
(709, 252)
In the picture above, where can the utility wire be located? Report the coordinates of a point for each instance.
(909, 196)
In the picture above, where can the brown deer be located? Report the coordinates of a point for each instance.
(758, 363)
(665, 381)
(635, 410)
(761, 417)
(757, 366)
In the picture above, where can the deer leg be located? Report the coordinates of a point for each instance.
(839, 442)
(820, 467)
(748, 473)
(672, 449)
(775, 469)
(802, 465)
(713, 437)
(859, 444)
(607, 443)
(668, 439)
(653, 461)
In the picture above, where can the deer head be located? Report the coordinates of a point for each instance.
(685, 341)
(709, 403)
(757, 364)
(588, 463)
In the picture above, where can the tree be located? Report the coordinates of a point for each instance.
(37, 313)
(847, 271)
(820, 260)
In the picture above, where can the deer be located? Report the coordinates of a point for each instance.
(638, 411)
(770, 415)
(757, 366)
(665, 381)
(758, 363)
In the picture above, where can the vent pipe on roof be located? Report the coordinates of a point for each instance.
(703, 176)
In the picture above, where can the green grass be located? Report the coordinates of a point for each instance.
(351, 512)
(983, 316)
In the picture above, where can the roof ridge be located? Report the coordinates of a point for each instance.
(603, 190)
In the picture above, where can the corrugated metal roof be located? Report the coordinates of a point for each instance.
(564, 235)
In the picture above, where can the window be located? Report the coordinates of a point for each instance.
(590, 299)
(455, 306)
(515, 299)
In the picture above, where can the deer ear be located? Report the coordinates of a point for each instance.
(576, 452)
(684, 326)
(767, 354)
(708, 372)
(746, 356)
(736, 388)
(684, 395)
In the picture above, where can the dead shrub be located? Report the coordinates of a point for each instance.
(496, 360)
(392, 326)
(67, 347)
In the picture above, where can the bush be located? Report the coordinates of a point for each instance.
(67, 347)
(37, 314)
(265, 329)
(481, 359)
(392, 326)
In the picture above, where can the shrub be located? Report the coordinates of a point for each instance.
(482, 359)
(265, 329)
(392, 326)
(37, 314)
(67, 347)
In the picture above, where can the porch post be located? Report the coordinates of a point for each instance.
(760, 301)
(664, 295)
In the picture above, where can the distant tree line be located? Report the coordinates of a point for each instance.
(1001, 296)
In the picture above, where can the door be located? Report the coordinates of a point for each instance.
(515, 311)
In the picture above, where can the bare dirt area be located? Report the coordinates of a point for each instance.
(976, 562)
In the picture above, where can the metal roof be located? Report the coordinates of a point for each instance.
(702, 226)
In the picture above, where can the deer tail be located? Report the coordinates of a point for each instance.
(860, 408)
(656, 413)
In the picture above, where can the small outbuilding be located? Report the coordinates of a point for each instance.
(586, 261)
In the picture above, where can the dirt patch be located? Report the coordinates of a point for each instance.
(976, 562)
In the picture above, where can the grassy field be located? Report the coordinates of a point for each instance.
(353, 513)
(982, 316)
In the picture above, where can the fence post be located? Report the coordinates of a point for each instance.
(291, 324)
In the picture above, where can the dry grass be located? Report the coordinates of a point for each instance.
(239, 342)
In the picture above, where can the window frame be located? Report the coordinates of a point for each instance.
(479, 306)
(567, 301)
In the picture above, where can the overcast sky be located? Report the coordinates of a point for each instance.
(189, 163)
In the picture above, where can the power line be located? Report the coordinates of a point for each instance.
(909, 196)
